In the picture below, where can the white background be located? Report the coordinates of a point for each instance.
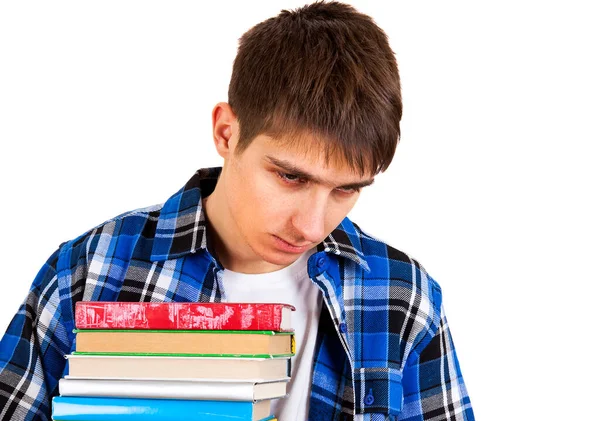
(105, 107)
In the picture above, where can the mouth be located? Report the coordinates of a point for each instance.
(291, 247)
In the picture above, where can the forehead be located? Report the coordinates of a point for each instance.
(311, 153)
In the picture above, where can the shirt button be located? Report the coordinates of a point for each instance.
(321, 262)
(343, 328)
(369, 399)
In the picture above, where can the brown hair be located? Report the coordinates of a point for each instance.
(323, 69)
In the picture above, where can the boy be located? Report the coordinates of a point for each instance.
(313, 115)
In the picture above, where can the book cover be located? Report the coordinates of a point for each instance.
(177, 367)
(181, 342)
(209, 389)
(190, 316)
(67, 408)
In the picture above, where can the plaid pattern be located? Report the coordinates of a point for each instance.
(383, 351)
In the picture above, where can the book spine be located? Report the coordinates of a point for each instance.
(170, 354)
(67, 408)
(157, 389)
(177, 316)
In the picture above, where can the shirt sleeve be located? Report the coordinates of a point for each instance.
(433, 384)
(32, 351)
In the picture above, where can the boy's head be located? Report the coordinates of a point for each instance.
(313, 115)
(325, 70)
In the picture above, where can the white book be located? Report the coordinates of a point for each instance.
(177, 368)
(209, 389)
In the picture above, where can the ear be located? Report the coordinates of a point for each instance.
(225, 129)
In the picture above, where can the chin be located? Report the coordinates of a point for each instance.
(279, 258)
(274, 256)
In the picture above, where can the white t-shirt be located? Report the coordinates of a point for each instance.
(290, 285)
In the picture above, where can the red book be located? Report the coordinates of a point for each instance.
(183, 316)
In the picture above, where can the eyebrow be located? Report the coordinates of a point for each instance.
(292, 169)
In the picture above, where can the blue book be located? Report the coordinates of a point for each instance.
(70, 408)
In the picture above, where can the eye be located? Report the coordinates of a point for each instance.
(290, 178)
(349, 191)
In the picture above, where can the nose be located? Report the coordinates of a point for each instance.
(309, 220)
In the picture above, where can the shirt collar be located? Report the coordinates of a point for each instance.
(181, 227)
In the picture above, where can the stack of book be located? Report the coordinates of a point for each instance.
(176, 361)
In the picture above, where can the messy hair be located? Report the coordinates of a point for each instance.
(325, 70)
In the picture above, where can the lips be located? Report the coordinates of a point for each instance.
(294, 245)
(290, 247)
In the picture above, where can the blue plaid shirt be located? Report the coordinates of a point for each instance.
(383, 350)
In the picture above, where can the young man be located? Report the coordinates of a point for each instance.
(313, 115)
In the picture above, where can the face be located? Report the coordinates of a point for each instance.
(283, 201)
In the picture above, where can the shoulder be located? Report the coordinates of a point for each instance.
(405, 275)
(115, 236)
(394, 290)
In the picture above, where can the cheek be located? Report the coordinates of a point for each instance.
(256, 202)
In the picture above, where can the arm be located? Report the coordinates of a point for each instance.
(32, 351)
(433, 385)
